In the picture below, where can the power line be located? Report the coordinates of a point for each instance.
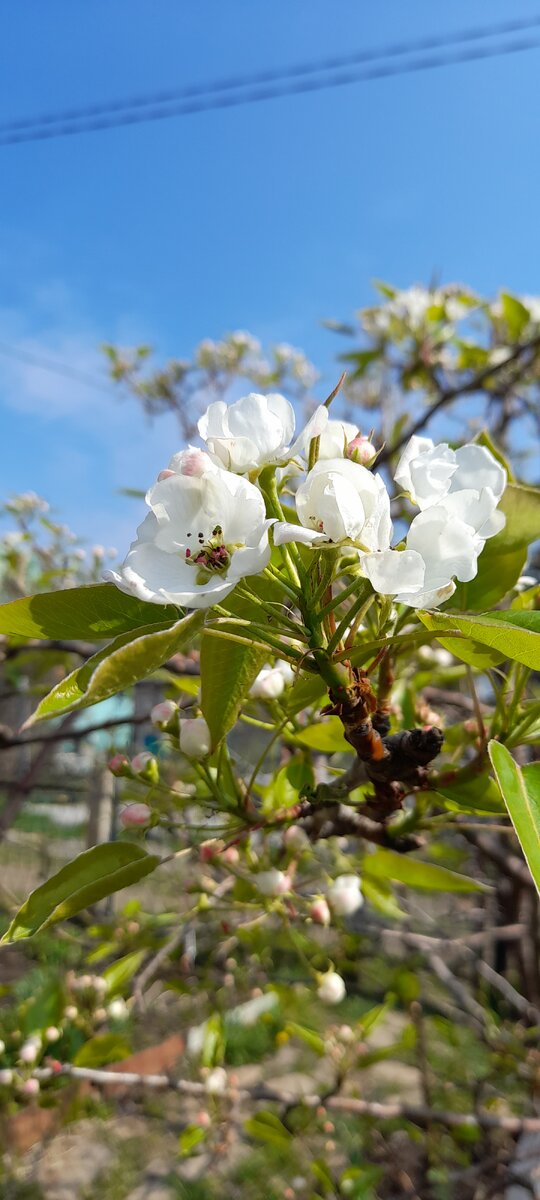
(65, 370)
(294, 81)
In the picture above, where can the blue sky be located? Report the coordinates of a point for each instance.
(267, 217)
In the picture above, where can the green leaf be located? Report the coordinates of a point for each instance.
(101, 1050)
(228, 670)
(327, 737)
(122, 971)
(131, 657)
(509, 634)
(92, 875)
(99, 610)
(503, 558)
(520, 789)
(190, 1138)
(307, 691)
(478, 795)
(266, 1127)
(382, 899)
(515, 315)
(388, 864)
(309, 1036)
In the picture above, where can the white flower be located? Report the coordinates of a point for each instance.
(272, 882)
(52, 1034)
(429, 473)
(30, 1050)
(340, 500)
(6, 1077)
(206, 531)
(331, 989)
(117, 1010)
(335, 439)
(217, 1082)
(345, 896)
(271, 681)
(255, 430)
(194, 738)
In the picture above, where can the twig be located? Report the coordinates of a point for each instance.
(418, 1114)
(447, 395)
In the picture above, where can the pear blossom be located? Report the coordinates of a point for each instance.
(429, 473)
(340, 500)
(331, 989)
(361, 450)
(217, 1082)
(194, 738)
(345, 896)
(335, 439)
(6, 1077)
(271, 681)
(320, 912)
(117, 1010)
(162, 713)
(206, 530)
(256, 430)
(134, 815)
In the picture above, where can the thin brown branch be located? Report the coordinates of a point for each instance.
(417, 1114)
(474, 384)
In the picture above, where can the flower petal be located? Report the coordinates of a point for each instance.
(394, 571)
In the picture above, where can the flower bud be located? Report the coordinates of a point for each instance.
(164, 474)
(194, 736)
(30, 1087)
(2, 1046)
(296, 839)
(361, 450)
(230, 856)
(117, 1010)
(162, 713)
(194, 462)
(145, 765)
(331, 989)
(99, 984)
(345, 896)
(320, 912)
(29, 1050)
(268, 685)
(217, 1081)
(52, 1034)
(272, 882)
(119, 765)
(6, 1077)
(71, 1012)
(203, 1119)
(135, 814)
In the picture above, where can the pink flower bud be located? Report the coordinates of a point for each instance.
(140, 762)
(331, 989)
(119, 765)
(361, 450)
(194, 737)
(30, 1087)
(165, 474)
(320, 912)
(162, 713)
(230, 856)
(203, 1119)
(29, 1050)
(135, 814)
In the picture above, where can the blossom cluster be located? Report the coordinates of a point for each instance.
(208, 525)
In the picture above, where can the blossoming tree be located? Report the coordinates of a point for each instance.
(317, 570)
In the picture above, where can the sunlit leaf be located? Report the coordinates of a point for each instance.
(98, 610)
(520, 789)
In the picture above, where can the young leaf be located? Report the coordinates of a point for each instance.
(509, 634)
(327, 737)
(387, 864)
(520, 790)
(503, 557)
(101, 1050)
(92, 875)
(131, 657)
(228, 670)
(97, 610)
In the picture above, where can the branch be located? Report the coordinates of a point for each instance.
(418, 1114)
(17, 792)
